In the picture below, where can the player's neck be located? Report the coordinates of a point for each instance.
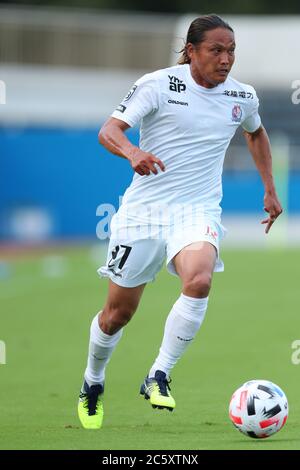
(199, 79)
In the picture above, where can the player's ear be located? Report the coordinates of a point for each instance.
(189, 49)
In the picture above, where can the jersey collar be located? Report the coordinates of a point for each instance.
(199, 88)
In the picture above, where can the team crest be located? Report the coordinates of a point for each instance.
(236, 113)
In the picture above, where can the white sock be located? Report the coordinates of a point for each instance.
(101, 348)
(182, 324)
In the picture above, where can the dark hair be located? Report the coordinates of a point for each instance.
(197, 30)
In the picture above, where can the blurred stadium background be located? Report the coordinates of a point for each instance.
(65, 69)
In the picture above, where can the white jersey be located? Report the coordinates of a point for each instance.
(189, 128)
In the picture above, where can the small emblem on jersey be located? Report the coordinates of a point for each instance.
(236, 113)
(121, 108)
(176, 84)
(183, 103)
(211, 233)
(130, 93)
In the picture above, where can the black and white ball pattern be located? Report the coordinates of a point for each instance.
(258, 408)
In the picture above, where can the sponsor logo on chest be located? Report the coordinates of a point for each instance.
(182, 103)
(175, 84)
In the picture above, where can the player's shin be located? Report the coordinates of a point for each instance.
(182, 324)
(101, 347)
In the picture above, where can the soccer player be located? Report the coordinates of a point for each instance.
(189, 114)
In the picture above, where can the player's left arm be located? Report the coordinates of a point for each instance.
(260, 149)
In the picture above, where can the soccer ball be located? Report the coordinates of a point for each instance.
(258, 408)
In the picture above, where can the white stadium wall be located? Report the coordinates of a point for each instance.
(267, 56)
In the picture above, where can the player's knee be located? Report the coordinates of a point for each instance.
(115, 317)
(199, 285)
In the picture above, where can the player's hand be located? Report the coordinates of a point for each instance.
(274, 209)
(145, 163)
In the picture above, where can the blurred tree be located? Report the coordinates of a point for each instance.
(177, 6)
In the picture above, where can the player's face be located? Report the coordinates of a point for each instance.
(212, 59)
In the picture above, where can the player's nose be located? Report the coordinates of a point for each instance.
(224, 59)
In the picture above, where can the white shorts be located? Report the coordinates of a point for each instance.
(134, 259)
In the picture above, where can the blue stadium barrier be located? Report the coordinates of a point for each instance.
(68, 174)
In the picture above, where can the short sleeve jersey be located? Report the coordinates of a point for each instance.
(188, 127)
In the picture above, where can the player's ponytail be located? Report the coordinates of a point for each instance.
(196, 33)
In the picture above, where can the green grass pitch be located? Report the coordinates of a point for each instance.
(252, 320)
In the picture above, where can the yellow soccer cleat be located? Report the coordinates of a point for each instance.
(90, 406)
(157, 390)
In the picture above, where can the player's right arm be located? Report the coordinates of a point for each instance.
(112, 137)
(140, 101)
